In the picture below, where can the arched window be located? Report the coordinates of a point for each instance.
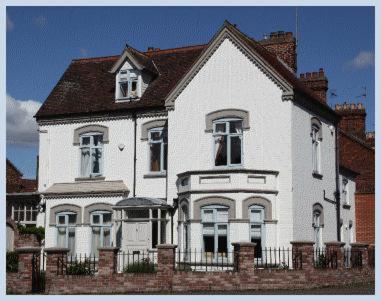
(257, 216)
(316, 135)
(317, 224)
(227, 134)
(214, 219)
(101, 225)
(66, 222)
(91, 150)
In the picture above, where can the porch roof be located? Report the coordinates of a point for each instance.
(141, 201)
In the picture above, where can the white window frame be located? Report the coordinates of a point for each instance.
(345, 191)
(162, 143)
(318, 235)
(227, 121)
(68, 227)
(24, 209)
(102, 227)
(316, 149)
(91, 146)
(215, 230)
(124, 76)
(255, 223)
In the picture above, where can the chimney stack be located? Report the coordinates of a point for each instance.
(317, 82)
(352, 118)
(283, 45)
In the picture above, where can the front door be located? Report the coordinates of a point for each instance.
(136, 234)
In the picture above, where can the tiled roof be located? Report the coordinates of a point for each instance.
(88, 88)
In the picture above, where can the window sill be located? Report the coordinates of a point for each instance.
(90, 179)
(346, 206)
(317, 175)
(152, 175)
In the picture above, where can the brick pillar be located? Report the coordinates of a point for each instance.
(305, 249)
(53, 257)
(166, 259)
(336, 247)
(107, 260)
(363, 249)
(244, 256)
(372, 256)
(25, 268)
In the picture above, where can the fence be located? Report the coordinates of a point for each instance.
(278, 258)
(198, 260)
(352, 258)
(137, 261)
(325, 258)
(78, 264)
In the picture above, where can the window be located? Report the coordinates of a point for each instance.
(257, 214)
(350, 228)
(91, 146)
(66, 223)
(25, 214)
(214, 220)
(101, 230)
(317, 229)
(128, 84)
(316, 141)
(227, 135)
(157, 139)
(345, 194)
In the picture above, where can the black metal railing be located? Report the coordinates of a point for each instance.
(277, 258)
(352, 258)
(78, 264)
(137, 261)
(325, 258)
(198, 260)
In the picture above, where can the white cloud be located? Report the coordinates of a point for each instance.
(41, 21)
(10, 25)
(21, 126)
(362, 60)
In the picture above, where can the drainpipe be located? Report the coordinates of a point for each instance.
(134, 185)
(337, 193)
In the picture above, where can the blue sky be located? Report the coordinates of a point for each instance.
(41, 42)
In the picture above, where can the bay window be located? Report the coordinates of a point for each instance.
(214, 219)
(66, 222)
(91, 147)
(227, 135)
(157, 140)
(101, 230)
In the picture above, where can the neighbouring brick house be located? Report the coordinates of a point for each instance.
(357, 150)
(22, 199)
(160, 146)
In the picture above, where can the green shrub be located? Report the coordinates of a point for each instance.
(320, 263)
(12, 262)
(39, 231)
(79, 268)
(144, 266)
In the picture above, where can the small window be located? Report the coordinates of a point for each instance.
(316, 141)
(227, 135)
(158, 149)
(317, 229)
(91, 147)
(128, 82)
(66, 223)
(25, 214)
(345, 193)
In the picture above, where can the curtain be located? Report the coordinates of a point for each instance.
(85, 162)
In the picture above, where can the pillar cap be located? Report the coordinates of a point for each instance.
(302, 242)
(358, 244)
(244, 244)
(166, 246)
(28, 250)
(57, 250)
(108, 249)
(335, 243)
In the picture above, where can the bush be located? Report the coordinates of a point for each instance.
(12, 262)
(39, 231)
(79, 268)
(144, 266)
(321, 262)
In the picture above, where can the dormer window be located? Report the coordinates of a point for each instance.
(128, 85)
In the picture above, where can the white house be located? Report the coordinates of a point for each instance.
(199, 146)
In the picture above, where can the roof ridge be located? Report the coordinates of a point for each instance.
(182, 48)
(96, 59)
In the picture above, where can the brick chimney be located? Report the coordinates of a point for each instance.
(352, 118)
(317, 82)
(283, 45)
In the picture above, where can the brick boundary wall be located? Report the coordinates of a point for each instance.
(168, 280)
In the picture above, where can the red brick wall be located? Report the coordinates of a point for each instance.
(365, 218)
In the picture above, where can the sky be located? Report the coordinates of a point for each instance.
(41, 42)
